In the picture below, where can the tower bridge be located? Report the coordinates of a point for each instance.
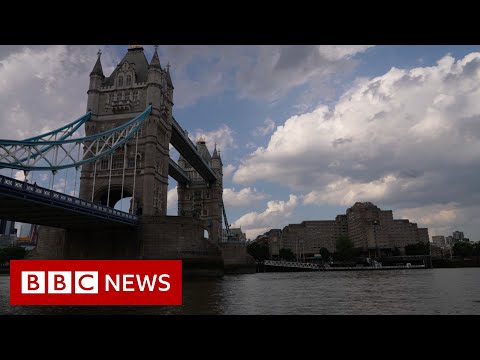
(124, 154)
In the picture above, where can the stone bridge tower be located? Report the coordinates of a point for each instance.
(200, 199)
(128, 91)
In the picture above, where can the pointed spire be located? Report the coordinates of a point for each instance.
(215, 154)
(169, 79)
(97, 69)
(155, 59)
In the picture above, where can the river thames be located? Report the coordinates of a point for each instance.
(394, 292)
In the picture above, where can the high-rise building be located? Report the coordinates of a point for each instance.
(7, 227)
(439, 240)
(368, 227)
(458, 236)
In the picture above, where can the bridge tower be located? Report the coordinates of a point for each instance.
(201, 199)
(133, 86)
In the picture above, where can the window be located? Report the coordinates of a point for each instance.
(135, 95)
(117, 161)
(207, 195)
(104, 164)
(205, 212)
(120, 81)
(128, 80)
(131, 162)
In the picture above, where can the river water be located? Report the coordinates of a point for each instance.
(393, 292)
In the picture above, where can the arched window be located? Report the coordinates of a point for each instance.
(120, 81)
(128, 80)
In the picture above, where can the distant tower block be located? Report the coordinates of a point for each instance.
(200, 199)
(114, 100)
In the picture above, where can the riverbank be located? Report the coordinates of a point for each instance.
(456, 263)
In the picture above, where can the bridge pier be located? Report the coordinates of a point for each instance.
(157, 237)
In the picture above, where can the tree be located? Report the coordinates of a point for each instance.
(419, 248)
(345, 248)
(259, 252)
(286, 254)
(325, 253)
(476, 250)
(12, 253)
(463, 249)
(395, 251)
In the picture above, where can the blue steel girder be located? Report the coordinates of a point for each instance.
(188, 150)
(53, 155)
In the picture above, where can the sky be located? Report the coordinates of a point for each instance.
(304, 131)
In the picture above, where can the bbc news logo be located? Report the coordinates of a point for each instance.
(96, 282)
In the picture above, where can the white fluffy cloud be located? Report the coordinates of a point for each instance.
(277, 214)
(269, 126)
(223, 137)
(408, 138)
(443, 219)
(172, 201)
(228, 170)
(43, 87)
(245, 197)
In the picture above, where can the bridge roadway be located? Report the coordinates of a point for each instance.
(24, 202)
(188, 150)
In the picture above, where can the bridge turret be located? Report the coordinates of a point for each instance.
(216, 160)
(155, 82)
(169, 90)
(96, 80)
(134, 84)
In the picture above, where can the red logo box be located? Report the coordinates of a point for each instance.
(96, 282)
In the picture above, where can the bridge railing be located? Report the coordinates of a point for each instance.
(182, 132)
(49, 195)
(291, 264)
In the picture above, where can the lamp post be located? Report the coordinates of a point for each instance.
(375, 223)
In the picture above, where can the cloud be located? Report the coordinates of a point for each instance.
(228, 170)
(444, 219)
(19, 175)
(60, 185)
(405, 138)
(43, 87)
(223, 137)
(338, 52)
(264, 130)
(253, 72)
(172, 201)
(277, 214)
(245, 197)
